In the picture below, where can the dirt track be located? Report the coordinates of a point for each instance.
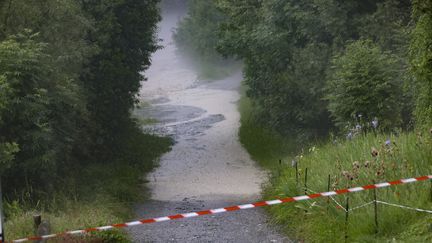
(207, 167)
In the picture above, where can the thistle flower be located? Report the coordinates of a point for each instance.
(358, 127)
(347, 175)
(380, 171)
(374, 152)
(356, 165)
(367, 164)
(374, 123)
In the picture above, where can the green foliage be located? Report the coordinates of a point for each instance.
(288, 48)
(264, 145)
(197, 38)
(365, 81)
(421, 61)
(287, 51)
(35, 105)
(69, 74)
(125, 35)
(320, 220)
(197, 33)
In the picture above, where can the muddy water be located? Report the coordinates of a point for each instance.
(207, 167)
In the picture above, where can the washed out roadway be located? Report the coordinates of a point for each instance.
(207, 167)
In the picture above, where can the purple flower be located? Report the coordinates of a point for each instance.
(388, 142)
(358, 127)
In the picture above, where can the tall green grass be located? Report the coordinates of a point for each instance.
(349, 163)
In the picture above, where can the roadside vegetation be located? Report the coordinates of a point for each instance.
(341, 88)
(70, 149)
(349, 163)
(197, 39)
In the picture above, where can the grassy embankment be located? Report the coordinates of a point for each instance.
(100, 195)
(320, 220)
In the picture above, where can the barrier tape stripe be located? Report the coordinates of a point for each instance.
(334, 200)
(405, 207)
(361, 206)
(228, 209)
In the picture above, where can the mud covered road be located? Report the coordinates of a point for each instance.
(207, 167)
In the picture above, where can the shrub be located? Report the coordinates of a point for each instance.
(421, 62)
(364, 81)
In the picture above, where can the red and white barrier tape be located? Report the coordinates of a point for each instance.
(228, 209)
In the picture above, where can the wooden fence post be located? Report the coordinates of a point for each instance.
(280, 167)
(42, 227)
(431, 190)
(346, 219)
(375, 209)
(305, 182)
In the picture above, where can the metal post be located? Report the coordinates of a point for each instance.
(2, 235)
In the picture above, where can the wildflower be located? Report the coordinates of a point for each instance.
(347, 175)
(380, 172)
(350, 136)
(367, 164)
(358, 127)
(360, 116)
(374, 152)
(356, 165)
(374, 123)
(388, 142)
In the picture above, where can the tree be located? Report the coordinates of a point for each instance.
(197, 33)
(42, 51)
(7, 149)
(421, 61)
(364, 81)
(125, 36)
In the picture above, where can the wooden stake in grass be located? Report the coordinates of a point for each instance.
(37, 220)
(431, 190)
(280, 167)
(346, 219)
(305, 182)
(375, 209)
(297, 174)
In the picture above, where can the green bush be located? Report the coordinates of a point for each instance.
(364, 81)
(421, 61)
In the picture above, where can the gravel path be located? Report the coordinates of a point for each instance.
(207, 167)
